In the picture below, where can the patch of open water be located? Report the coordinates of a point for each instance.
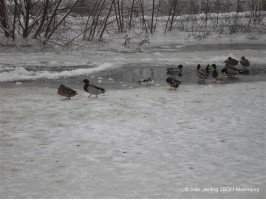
(127, 76)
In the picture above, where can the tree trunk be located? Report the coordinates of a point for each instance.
(173, 15)
(143, 16)
(106, 19)
(26, 16)
(131, 14)
(152, 16)
(3, 16)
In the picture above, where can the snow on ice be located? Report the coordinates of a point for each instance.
(146, 142)
(134, 143)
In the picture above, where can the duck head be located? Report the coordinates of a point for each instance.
(213, 66)
(180, 66)
(86, 81)
(198, 66)
(208, 68)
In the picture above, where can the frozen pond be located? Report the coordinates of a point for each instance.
(134, 141)
(122, 68)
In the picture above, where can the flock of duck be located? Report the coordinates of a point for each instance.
(229, 70)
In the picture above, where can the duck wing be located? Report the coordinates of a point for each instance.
(93, 89)
(217, 75)
(173, 82)
(174, 70)
(70, 91)
(202, 73)
(233, 61)
(244, 62)
(66, 91)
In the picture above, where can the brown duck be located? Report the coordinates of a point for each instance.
(66, 91)
(245, 63)
(173, 82)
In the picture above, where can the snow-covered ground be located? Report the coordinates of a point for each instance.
(146, 142)
(136, 143)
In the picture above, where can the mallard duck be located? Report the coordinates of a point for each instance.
(217, 75)
(66, 91)
(92, 89)
(147, 81)
(202, 73)
(245, 63)
(230, 70)
(173, 82)
(231, 61)
(175, 70)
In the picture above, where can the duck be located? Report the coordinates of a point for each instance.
(147, 81)
(175, 70)
(231, 61)
(173, 82)
(245, 63)
(230, 70)
(202, 73)
(217, 75)
(66, 92)
(92, 89)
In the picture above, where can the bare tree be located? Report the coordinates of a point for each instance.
(106, 19)
(60, 22)
(131, 14)
(152, 16)
(4, 18)
(119, 14)
(143, 16)
(171, 16)
(55, 10)
(43, 18)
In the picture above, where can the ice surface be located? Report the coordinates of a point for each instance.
(146, 142)
(134, 143)
(21, 65)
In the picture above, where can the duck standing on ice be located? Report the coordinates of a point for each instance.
(173, 82)
(92, 89)
(245, 63)
(217, 75)
(66, 92)
(202, 73)
(230, 67)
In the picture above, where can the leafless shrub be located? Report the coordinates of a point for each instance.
(52, 21)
